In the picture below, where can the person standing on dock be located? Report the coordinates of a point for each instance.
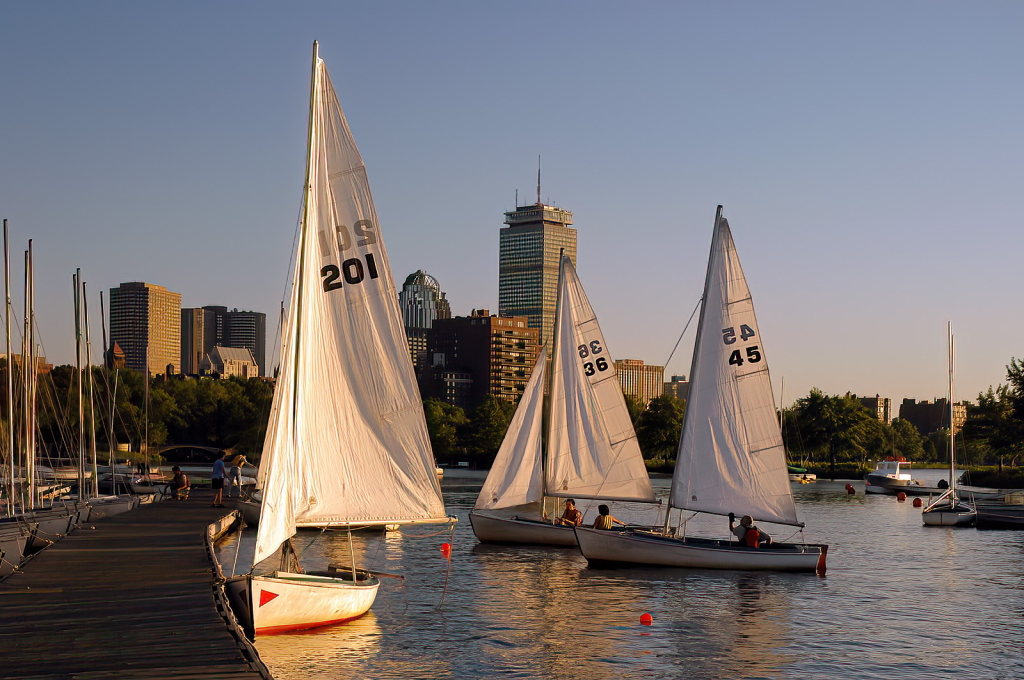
(217, 482)
(235, 474)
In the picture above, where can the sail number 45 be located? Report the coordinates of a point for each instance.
(753, 353)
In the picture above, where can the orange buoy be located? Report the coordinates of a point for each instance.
(901, 496)
(446, 550)
(917, 503)
(646, 619)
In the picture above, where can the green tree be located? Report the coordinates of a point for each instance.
(486, 429)
(444, 422)
(906, 440)
(635, 407)
(657, 428)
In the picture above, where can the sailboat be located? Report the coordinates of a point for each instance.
(347, 442)
(592, 451)
(948, 510)
(730, 457)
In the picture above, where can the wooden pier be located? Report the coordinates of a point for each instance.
(133, 596)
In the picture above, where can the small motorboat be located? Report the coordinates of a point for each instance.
(889, 477)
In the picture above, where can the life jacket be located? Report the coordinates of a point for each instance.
(751, 537)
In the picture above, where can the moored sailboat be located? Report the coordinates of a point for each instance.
(592, 450)
(347, 442)
(948, 510)
(730, 457)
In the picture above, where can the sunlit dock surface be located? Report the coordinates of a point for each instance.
(131, 598)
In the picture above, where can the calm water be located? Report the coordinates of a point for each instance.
(899, 600)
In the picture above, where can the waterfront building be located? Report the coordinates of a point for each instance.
(480, 354)
(641, 381)
(930, 416)
(145, 322)
(678, 387)
(115, 357)
(42, 367)
(228, 362)
(223, 328)
(198, 337)
(422, 302)
(528, 263)
(880, 407)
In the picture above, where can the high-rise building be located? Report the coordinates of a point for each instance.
(880, 407)
(422, 302)
(643, 382)
(678, 387)
(145, 320)
(528, 263)
(928, 417)
(240, 330)
(198, 337)
(486, 354)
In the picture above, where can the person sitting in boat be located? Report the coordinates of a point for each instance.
(747, 533)
(605, 520)
(179, 486)
(571, 517)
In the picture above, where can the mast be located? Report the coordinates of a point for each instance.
(92, 418)
(550, 373)
(111, 396)
(952, 423)
(78, 372)
(696, 344)
(33, 374)
(26, 358)
(10, 376)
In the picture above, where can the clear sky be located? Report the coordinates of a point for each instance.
(870, 158)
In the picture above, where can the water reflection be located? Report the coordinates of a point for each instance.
(900, 600)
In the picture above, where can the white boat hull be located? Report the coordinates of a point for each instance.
(611, 547)
(110, 506)
(949, 518)
(51, 526)
(283, 601)
(493, 529)
(14, 537)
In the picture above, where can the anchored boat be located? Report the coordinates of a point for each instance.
(730, 457)
(347, 442)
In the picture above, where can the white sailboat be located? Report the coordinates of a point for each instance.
(347, 443)
(730, 457)
(592, 451)
(948, 510)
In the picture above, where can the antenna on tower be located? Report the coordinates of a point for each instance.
(538, 179)
(517, 198)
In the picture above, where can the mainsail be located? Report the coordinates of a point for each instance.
(592, 448)
(516, 476)
(348, 442)
(730, 456)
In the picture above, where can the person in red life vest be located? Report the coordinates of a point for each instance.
(571, 517)
(747, 533)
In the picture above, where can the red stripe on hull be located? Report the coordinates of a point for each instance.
(273, 630)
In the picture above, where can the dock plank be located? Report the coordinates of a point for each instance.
(131, 596)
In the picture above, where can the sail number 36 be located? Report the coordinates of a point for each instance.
(592, 350)
(753, 352)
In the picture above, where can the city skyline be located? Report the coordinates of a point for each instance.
(869, 169)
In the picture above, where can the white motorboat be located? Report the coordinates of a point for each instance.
(592, 450)
(347, 442)
(731, 457)
(890, 477)
(948, 510)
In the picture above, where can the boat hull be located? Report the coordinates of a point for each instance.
(642, 548)
(284, 601)
(949, 518)
(494, 529)
(51, 526)
(14, 537)
(1000, 517)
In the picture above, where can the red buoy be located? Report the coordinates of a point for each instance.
(646, 619)
(917, 503)
(850, 490)
(901, 496)
(446, 550)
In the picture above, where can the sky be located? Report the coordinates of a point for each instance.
(869, 157)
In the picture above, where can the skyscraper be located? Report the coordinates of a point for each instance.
(198, 337)
(422, 302)
(145, 320)
(241, 330)
(528, 262)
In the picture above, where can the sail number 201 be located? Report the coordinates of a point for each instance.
(352, 269)
(753, 352)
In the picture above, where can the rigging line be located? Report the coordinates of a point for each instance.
(695, 308)
(451, 539)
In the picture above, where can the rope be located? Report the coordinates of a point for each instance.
(684, 331)
(451, 539)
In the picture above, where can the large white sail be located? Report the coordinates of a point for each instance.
(348, 443)
(516, 477)
(730, 456)
(592, 448)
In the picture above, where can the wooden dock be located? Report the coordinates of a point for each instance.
(133, 596)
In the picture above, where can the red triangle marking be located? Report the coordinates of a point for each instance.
(266, 596)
